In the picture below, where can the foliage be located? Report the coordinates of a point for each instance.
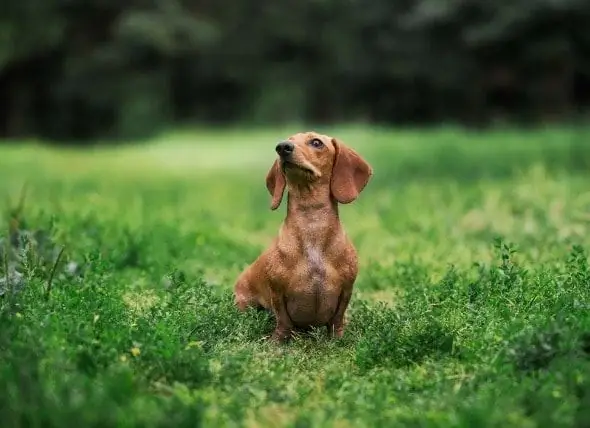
(471, 307)
(89, 69)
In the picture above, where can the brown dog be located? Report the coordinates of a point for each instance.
(307, 274)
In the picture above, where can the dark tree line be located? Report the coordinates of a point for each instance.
(85, 69)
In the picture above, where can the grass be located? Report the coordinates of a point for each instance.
(471, 307)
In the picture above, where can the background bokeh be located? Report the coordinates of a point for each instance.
(87, 70)
(136, 136)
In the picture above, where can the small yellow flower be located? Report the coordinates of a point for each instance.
(123, 358)
(193, 344)
(135, 351)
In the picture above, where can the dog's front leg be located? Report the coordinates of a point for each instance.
(284, 325)
(337, 323)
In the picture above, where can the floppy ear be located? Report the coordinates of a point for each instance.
(275, 183)
(350, 173)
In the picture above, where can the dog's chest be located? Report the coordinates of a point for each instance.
(315, 265)
(311, 258)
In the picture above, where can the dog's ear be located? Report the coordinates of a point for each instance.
(350, 173)
(275, 183)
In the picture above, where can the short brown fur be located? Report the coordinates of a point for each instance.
(307, 274)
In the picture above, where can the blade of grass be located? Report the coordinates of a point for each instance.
(51, 275)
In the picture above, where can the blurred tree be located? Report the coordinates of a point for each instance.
(97, 69)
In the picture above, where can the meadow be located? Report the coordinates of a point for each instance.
(471, 308)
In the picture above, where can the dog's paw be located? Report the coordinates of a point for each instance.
(280, 336)
(335, 331)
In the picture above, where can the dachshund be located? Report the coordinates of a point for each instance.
(305, 277)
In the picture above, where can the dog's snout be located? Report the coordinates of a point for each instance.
(285, 148)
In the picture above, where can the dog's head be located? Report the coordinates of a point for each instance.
(312, 159)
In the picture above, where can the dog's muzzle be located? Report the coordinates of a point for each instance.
(284, 149)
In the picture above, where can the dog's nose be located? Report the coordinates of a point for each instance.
(285, 148)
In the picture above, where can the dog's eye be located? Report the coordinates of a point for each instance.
(316, 142)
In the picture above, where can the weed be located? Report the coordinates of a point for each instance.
(116, 306)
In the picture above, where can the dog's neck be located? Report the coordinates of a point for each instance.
(312, 213)
(304, 199)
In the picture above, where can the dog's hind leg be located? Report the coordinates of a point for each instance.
(244, 296)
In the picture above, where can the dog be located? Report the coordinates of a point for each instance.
(306, 276)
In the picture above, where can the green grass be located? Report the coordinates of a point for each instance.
(471, 307)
